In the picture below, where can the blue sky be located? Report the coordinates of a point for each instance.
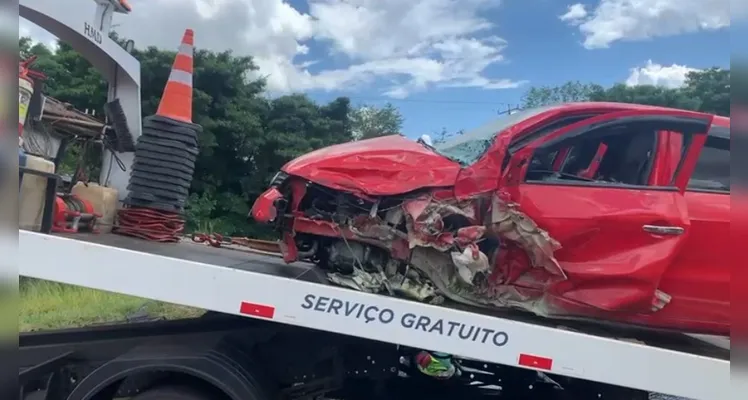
(544, 50)
(445, 63)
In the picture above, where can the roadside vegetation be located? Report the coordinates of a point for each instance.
(51, 305)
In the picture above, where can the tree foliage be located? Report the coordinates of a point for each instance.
(646, 94)
(706, 90)
(246, 137)
(370, 121)
(712, 88)
(568, 92)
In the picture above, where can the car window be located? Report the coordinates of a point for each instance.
(625, 150)
(627, 159)
(470, 146)
(580, 156)
(712, 172)
(545, 158)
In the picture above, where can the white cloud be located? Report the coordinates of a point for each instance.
(36, 34)
(672, 76)
(574, 13)
(414, 45)
(617, 20)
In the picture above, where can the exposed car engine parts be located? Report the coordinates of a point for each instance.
(423, 246)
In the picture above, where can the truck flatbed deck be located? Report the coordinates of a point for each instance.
(202, 253)
(264, 287)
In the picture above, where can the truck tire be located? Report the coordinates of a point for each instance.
(174, 393)
(38, 395)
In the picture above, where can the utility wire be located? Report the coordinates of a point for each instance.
(429, 101)
(501, 107)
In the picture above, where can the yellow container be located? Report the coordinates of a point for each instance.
(31, 196)
(104, 201)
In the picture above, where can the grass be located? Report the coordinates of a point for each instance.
(50, 305)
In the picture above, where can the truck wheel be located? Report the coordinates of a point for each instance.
(38, 395)
(174, 393)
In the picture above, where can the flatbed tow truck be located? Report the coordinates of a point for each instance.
(279, 331)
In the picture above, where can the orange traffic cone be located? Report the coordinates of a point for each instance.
(176, 102)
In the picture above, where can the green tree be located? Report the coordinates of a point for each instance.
(712, 88)
(370, 121)
(706, 90)
(647, 94)
(568, 92)
(24, 47)
(72, 79)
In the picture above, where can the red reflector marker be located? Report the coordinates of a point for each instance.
(528, 360)
(257, 310)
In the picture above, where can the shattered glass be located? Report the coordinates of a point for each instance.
(468, 152)
(468, 148)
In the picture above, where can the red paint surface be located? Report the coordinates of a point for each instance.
(263, 210)
(613, 266)
(256, 310)
(529, 360)
(376, 167)
(591, 170)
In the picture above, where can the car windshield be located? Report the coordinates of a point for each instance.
(470, 146)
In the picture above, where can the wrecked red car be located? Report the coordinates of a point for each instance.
(591, 211)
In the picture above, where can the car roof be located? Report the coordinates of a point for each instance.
(581, 106)
(721, 121)
(718, 120)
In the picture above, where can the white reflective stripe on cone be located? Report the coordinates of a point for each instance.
(181, 77)
(186, 49)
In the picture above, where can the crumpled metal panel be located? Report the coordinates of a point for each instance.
(445, 257)
(381, 166)
(439, 269)
(508, 222)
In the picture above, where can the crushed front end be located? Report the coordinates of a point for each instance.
(424, 245)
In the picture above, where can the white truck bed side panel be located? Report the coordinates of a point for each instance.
(381, 318)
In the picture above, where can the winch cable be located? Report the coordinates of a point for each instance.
(150, 224)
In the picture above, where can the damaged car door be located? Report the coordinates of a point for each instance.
(618, 234)
(699, 281)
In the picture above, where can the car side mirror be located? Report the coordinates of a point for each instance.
(426, 140)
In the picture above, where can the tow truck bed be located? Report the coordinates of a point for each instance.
(259, 286)
(202, 253)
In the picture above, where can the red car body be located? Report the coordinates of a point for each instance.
(595, 211)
